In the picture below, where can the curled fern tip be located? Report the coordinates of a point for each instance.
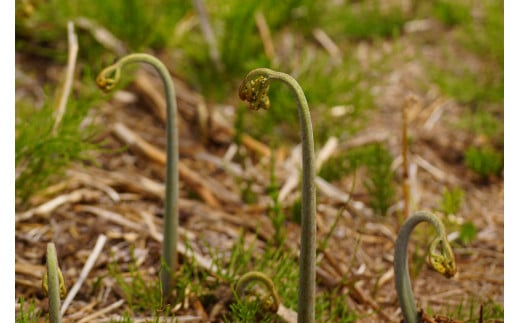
(108, 78)
(255, 92)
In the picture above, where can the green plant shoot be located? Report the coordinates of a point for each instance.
(106, 80)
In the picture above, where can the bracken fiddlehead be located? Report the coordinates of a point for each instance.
(107, 80)
(255, 93)
(440, 257)
(253, 89)
(270, 301)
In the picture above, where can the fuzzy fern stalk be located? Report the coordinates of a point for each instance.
(106, 80)
(271, 301)
(253, 89)
(440, 257)
(53, 284)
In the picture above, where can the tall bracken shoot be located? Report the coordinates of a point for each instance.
(253, 89)
(440, 257)
(106, 80)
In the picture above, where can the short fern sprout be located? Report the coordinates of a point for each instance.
(269, 299)
(53, 284)
(440, 257)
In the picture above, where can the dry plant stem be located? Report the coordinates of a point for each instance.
(54, 284)
(46, 208)
(84, 272)
(102, 35)
(265, 35)
(443, 262)
(404, 151)
(106, 80)
(254, 89)
(259, 277)
(209, 35)
(91, 317)
(69, 76)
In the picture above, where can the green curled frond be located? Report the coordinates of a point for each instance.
(441, 258)
(108, 78)
(255, 93)
(253, 89)
(269, 299)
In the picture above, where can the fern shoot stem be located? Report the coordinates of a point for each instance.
(443, 262)
(253, 89)
(53, 284)
(106, 80)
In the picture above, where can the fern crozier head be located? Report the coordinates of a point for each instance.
(255, 92)
(443, 260)
(108, 78)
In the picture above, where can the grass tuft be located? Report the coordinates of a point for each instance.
(485, 161)
(41, 157)
(28, 313)
(452, 13)
(451, 201)
(140, 294)
(367, 20)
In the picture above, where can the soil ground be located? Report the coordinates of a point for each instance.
(120, 197)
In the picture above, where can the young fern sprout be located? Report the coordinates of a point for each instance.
(440, 257)
(106, 80)
(253, 89)
(53, 284)
(269, 302)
